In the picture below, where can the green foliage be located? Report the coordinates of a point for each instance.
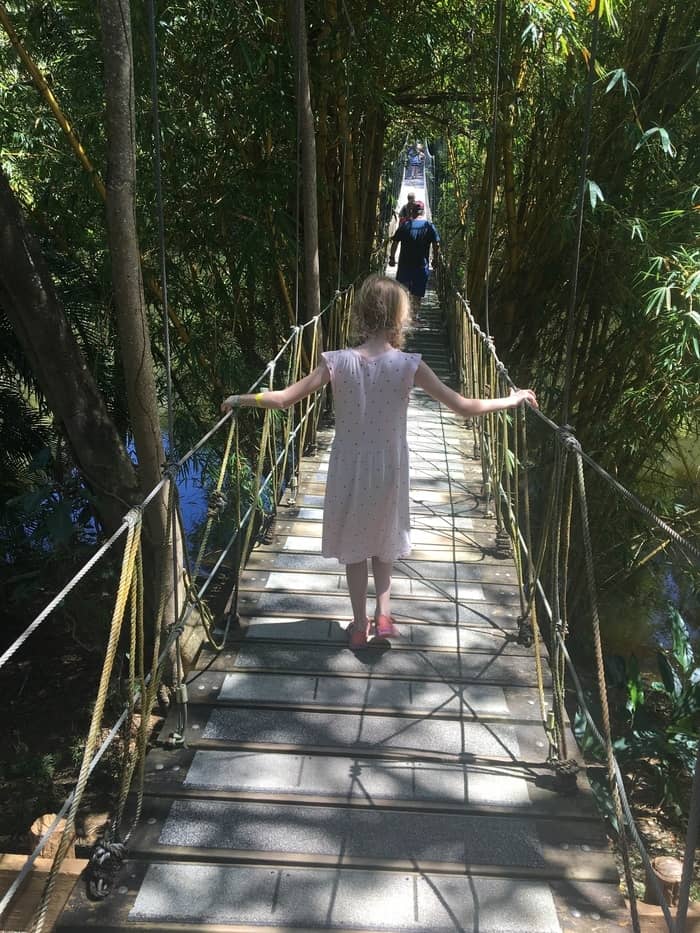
(47, 516)
(659, 736)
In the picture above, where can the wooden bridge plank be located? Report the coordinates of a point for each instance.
(389, 788)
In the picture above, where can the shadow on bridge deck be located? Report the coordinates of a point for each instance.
(400, 788)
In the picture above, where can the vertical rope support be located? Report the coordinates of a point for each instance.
(517, 550)
(123, 596)
(289, 423)
(602, 690)
(219, 486)
(579, 220)
(532, 573)
(145, 708)
(492, 174)
(310, 400)
(473, 389)
(505, 463)
(298, 449)
(258, 483)
(272, 447)
(556, 625)
(485, 428)
(137, 755)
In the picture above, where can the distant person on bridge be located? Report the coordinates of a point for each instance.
(415, 237)
(416, 162)
(407, 210)
(366, 509)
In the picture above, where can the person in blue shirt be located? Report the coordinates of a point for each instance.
(416, 237)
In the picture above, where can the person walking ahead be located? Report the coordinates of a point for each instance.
(407, 210)
(366, 508)
(415, 237)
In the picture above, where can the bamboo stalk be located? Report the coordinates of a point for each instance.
(77, 147)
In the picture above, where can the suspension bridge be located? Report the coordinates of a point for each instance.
(430, 785)
(402, 787)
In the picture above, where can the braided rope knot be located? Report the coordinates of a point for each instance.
(133, 516)
(105, 861)
(170, 469)
(217, 503)
(566, 773)
(525, 635)
(503, 543)
(568, 439)
(501, 368)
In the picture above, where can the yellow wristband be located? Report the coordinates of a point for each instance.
(258, 399)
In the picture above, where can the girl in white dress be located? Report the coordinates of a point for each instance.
(366, 508)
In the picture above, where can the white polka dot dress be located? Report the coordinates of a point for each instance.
(366, 511)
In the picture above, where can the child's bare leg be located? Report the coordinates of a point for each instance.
(356, 575)
(383, 624)
(381, 571)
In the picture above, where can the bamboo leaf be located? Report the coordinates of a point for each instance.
(670, 678)
(664, 138)
(594, 193)
(617, 75)
(569, 9)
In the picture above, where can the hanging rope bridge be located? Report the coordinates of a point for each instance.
(500, 442)
(439, 757)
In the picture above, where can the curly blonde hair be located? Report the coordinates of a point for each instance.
(381, 304)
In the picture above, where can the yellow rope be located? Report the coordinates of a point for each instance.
(123, 596)
(217, 492)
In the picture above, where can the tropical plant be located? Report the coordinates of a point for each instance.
(658, 738)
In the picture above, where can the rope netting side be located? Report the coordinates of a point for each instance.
(279, 458)
(504, 449)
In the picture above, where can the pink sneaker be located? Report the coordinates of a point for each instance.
(384, 627)
(358, 636)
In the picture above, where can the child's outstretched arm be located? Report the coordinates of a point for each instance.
(281, 398)
(427, 380)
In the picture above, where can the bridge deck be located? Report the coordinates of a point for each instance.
(397, 788)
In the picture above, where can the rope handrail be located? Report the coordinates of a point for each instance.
(581, 696)
(105, 547)
(482, 374)
(194, 600)
(560, 431)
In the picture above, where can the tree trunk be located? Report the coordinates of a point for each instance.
(312, 284)
(373, 155)
(31, 305)
(130, 304)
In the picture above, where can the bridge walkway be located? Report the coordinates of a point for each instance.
(390, 788)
